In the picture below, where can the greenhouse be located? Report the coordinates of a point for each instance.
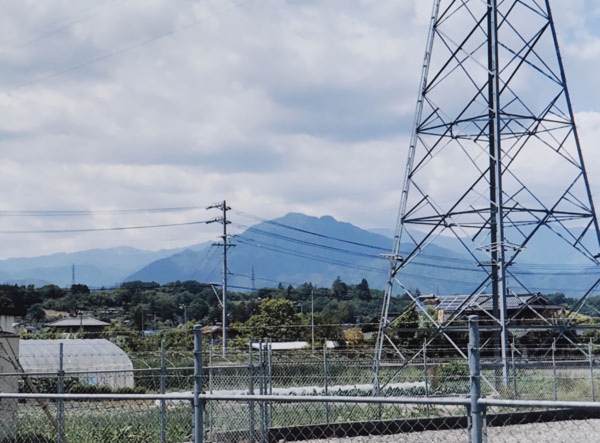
(96, 362)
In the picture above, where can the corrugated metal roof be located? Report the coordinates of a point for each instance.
(79, 354)
(78, 321)
(85, 357)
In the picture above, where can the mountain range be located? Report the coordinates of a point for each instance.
(293, 249)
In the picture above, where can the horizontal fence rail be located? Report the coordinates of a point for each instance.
(269, 399)
(261, 418)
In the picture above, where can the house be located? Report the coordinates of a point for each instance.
(8, 317)
(90, 327)
(519, 307)
(213, 334)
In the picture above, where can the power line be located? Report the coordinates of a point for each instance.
(293, 228)
(204, 259)
(64, 27)
(51, 23)
(274, 248)
(93, 212)
(307, 243)
(349, 252)
(370, 246)
(249, 277)
(117, 228)
(521, 269)
(128, 48)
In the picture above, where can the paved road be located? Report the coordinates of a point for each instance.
(582, 431)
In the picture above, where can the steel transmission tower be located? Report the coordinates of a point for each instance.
(494, 163)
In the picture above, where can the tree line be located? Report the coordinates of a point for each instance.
(282, 312)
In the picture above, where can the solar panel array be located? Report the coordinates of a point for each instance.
(452, 303)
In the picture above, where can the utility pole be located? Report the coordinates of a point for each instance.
(184, 307)
(223, 221)
(312, 319)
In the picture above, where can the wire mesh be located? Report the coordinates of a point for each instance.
(297, 409)
(278, 419)
(92, 421)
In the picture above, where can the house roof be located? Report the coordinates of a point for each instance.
(291, 345)
(211, 329)
(13, 311)
(484, 302)
(77, 322)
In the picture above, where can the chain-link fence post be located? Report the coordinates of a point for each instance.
(475, 381)
(426, 378)
(250, 392)
(514, 370)
(163, 389)
(555, 387)
(270, 383)
(262, 391)
(325, 382)
(211, 377)
(198, 406)
(591, 352)
(60, 405)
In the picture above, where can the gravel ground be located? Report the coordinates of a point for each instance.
(582, 431)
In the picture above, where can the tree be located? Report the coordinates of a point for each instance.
(325, 329)
(277, 321)
(558, 298)
(51, 291)
(197, 310)
(410, 320)
(36, 313)
(80, 289)
(5, 300)
(354, 337)
(339, 289)
(362, 290)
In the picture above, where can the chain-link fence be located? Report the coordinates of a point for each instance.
(264, 397)
(82, 418)
(155, 418)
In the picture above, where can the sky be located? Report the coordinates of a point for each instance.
(108, 107)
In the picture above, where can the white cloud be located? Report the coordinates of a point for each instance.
(276, 106)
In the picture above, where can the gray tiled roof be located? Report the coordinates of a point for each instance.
(451, 303)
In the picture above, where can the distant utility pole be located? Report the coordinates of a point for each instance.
(312, 319)
(223, 221)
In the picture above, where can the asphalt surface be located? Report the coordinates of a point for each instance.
(581, 431)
